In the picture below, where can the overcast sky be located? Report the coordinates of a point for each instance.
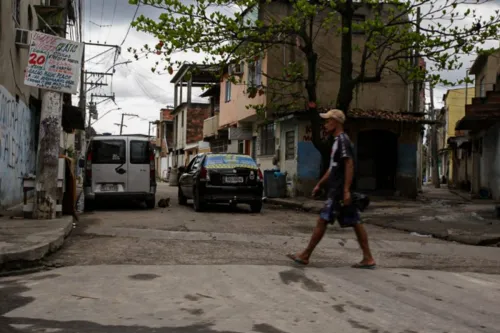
(140, 92)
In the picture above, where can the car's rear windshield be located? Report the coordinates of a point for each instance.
(108, 151)
(139, 152)
(229, 160)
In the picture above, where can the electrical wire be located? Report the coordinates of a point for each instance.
(112, 20)
(130, 25)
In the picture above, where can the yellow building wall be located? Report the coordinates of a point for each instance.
(455, 101)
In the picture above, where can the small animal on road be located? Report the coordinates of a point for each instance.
(164, 203)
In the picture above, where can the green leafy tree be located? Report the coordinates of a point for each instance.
(230, 31)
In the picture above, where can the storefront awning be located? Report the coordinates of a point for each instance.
(477, 122)
(457, 141)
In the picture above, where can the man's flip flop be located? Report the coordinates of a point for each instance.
(297, 260)
(364, 266)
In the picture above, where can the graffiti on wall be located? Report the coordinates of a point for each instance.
(17, 147)
(308, 134)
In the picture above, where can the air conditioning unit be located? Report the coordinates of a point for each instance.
(236, 69)
(22, 38)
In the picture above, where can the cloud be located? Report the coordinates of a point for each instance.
(137, 89)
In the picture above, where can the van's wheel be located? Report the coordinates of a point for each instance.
(151, 203)
(198, 204)
(88, 205)
(256, 207)
(181, 197)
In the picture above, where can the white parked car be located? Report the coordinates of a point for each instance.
(119, 166)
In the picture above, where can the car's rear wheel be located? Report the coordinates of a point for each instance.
(151, 203)
(198, 203)
(181, 197)
(256, 207)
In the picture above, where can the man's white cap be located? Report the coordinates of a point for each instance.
(336, 114)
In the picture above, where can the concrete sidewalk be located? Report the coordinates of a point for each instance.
(27, 240)
(437, 212)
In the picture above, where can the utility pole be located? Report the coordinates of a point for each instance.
(86, 81)
(149, 128)
(47, 192)
(123, 116)
(121, 126)
(416, 91)
(434, 144)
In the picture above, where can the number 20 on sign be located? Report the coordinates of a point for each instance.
(36, 59)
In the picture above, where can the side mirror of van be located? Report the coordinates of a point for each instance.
(181, 170)
(81, 163)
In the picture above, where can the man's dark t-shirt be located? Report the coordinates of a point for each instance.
(341, 149)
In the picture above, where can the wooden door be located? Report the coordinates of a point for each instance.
(248, 151)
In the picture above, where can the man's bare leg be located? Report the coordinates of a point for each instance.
(362, 236)
(317, 235)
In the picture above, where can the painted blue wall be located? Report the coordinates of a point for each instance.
(17, 147)
(308, 161)
(407, 159)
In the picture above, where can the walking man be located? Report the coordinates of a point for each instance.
(339, 205)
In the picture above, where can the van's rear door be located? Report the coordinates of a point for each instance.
(138, 166)
(109, 164)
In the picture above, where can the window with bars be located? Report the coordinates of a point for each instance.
(228, 91)
(358, 21)
(16, 14)
(267, 146)
(290, 145)
(255, 73)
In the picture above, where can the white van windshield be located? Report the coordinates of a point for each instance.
(108, 152)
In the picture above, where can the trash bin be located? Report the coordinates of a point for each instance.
(274, 184)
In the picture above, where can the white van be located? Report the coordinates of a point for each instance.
(119, 166)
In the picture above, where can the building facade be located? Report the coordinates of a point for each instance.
(164, 142)
(480, 127)
(454, 167)
(387, 137)
(20, 105)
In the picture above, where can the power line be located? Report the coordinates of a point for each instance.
(130, 25)
(112, 20)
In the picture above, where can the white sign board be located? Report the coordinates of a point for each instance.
(54, 63)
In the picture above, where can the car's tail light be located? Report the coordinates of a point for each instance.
(204, 174)
(88, 169)
(152, 169)
(260, 177)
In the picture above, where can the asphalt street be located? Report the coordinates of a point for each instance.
(129, 269)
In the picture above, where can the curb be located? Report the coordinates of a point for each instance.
(463, 239)
(461, 195)
(38, 252)
(468, 240)
(292, 205)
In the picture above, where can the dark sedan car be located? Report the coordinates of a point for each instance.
(221, 178)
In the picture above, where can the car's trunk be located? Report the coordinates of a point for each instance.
(228, 177)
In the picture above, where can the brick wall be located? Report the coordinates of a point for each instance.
(196, 114)
(166, 114)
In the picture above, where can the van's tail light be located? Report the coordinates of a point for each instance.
(260, 177)
(152, 168)
(88, 169)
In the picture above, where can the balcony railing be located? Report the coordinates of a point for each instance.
(210, 126)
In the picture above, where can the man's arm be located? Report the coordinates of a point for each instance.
(324, 179)
(349, 174)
